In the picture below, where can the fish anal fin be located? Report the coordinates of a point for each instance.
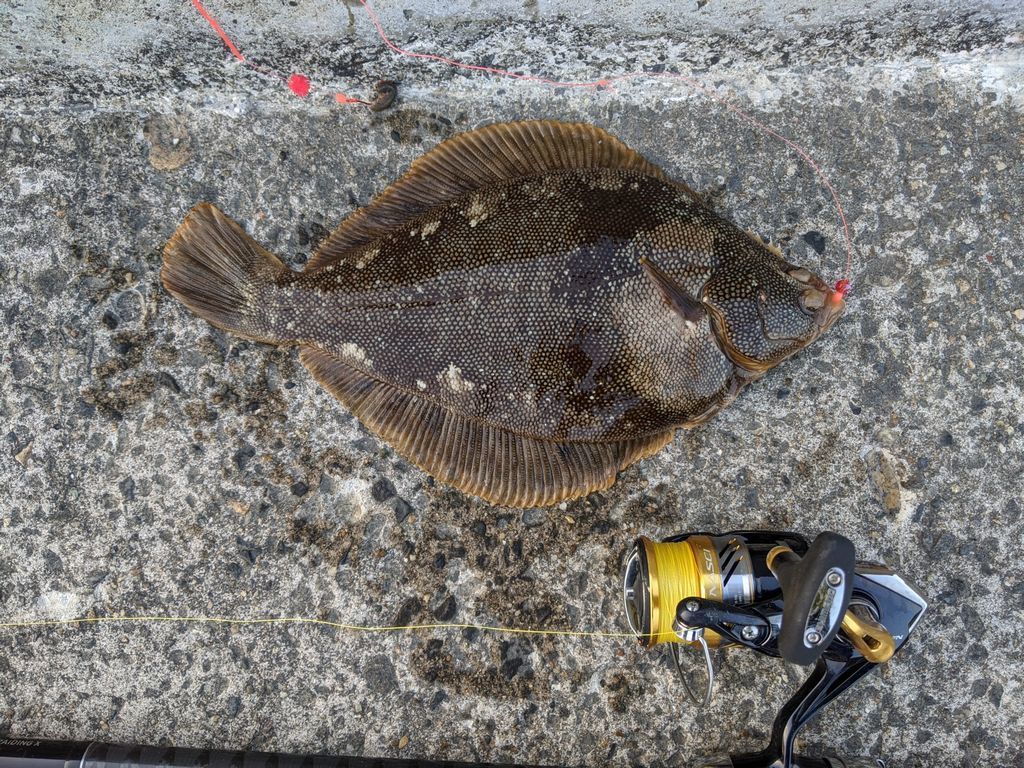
(476, 159)
(674, 295)
(477, 458)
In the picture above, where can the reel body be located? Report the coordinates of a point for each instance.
(776, 595)
(730, 569)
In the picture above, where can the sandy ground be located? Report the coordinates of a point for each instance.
(153, 465)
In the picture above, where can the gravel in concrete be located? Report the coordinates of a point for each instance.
(154, 465)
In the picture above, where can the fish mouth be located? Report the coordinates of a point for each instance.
(828, 314)
(821, 302)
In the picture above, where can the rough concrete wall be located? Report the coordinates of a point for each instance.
(155, 465)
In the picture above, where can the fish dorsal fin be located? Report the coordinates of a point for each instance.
(476, 159)
(762, 242)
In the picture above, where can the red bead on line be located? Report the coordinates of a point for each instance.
(843, 287)
(299, 85)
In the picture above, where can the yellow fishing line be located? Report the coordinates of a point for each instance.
(308, 621)
(674, 576)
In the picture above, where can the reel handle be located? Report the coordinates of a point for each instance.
(816, 589)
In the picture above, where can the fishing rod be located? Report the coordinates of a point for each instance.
(769, 592)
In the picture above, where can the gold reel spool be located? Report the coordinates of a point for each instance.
(658, 575)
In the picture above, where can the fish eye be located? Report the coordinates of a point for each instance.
(811, 300)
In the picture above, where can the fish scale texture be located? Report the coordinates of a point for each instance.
(154, 464)
(525, 307)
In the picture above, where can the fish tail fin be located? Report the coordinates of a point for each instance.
(213, 267)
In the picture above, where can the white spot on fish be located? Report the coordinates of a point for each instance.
(429, 228)
(421, 384)
(477, 211)
(452, 378)
(356, 353)
(366, 257)
(607, 182)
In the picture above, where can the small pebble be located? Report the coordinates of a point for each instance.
(23, 455)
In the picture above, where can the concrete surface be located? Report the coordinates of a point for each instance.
(153, 465)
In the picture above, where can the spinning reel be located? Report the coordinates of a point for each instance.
(773, 593)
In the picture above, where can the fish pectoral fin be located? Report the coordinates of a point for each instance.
(675, 296)
(491, 155)
(479, 459)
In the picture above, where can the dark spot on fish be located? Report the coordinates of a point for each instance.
(299, 488)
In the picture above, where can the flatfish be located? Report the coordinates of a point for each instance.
(531, 308)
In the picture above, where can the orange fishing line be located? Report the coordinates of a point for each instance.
(217, 28)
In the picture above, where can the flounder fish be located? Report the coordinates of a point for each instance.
(530, 309)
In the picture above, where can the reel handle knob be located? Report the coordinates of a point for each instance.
(816, 589)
